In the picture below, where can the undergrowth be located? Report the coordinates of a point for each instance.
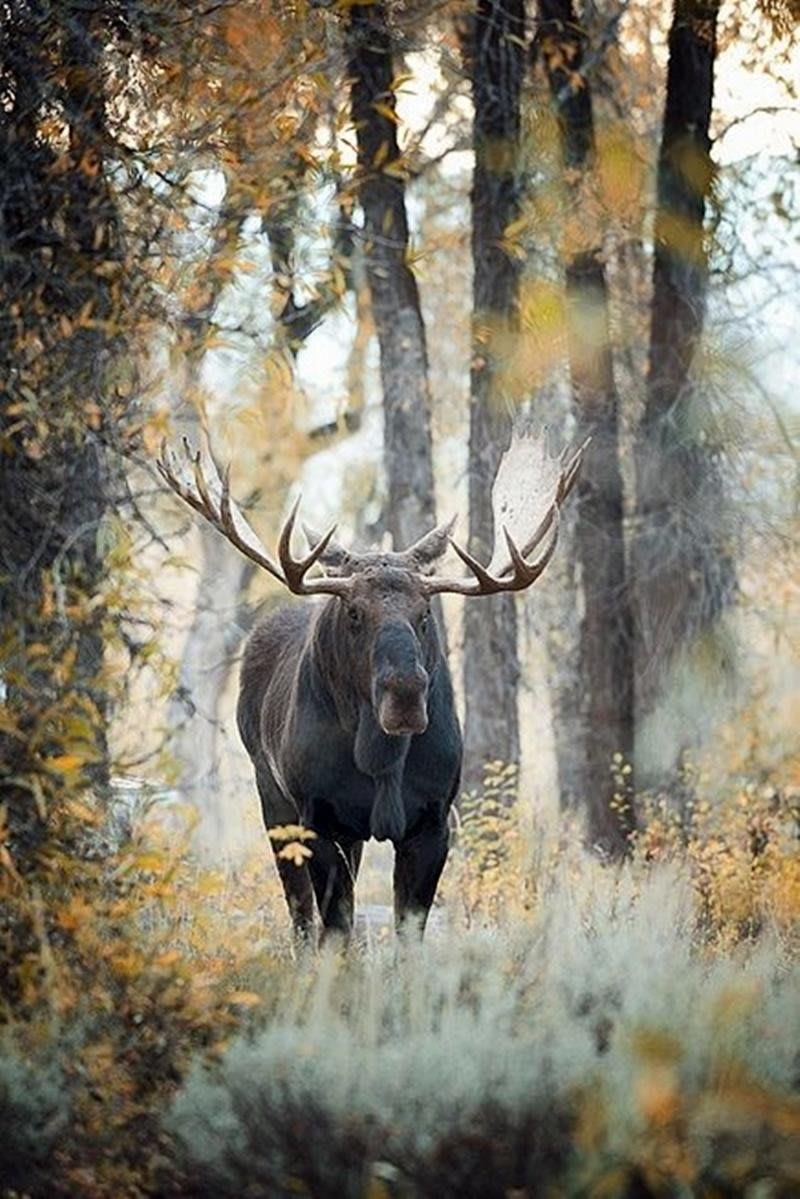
(590, 1048)
(568, 1028)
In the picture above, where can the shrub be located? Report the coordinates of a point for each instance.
(34, 1111)
(595, 1042)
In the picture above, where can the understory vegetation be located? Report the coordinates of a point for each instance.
(566, 1028)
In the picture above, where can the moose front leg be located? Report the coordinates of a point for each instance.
(418, 865)
(332, 876)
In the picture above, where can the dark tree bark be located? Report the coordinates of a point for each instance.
(393, 287)
(56, 229)
(96, 243)
(59, 257)
(605, 718)
(683, 570)
(491, 668)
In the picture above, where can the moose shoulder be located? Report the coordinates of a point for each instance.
(346, 706)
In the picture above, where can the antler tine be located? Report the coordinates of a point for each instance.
(212, 499)
(482, 576)
(534, 569)
(532, 542)
(319, 549)
(520, 576)
(288, 563)
(219, 512)
(517, 572)
(200, 478)
(572, 470)
(295, 569)
(225, 499)
(523, 572)
(167, 469)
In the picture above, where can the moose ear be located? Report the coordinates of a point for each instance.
(429, 548)
(334, 557)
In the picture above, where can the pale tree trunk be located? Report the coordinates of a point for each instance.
(221, 618)
(220, 615)
(220, 622)
(393, 288)
(683, 568)
(491, 667)
(605, 669)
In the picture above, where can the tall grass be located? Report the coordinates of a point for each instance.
(566, 1029)
(594, 1048)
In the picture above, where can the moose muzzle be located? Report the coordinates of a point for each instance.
(399, 682)
(403, 703)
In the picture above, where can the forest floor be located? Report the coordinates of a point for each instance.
(567, 1028)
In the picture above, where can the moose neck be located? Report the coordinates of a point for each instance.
(345, 689)
(375, 752)
(382, 757)
(333, 672)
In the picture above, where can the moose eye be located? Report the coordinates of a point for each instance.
(424, 619)
(354, 615)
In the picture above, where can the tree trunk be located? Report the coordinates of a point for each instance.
(95, 233)
(491, 668)
(683, 570)
(220, 620)
(606, 632)
(59, 252)
(393, 288)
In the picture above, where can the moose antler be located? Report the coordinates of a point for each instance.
(527, 494)
(210, 496)
(294, 569)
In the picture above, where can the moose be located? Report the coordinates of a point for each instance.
(346, 707)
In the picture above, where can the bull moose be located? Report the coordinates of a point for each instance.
(346, 707)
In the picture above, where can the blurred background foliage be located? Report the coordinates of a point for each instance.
(581, 213)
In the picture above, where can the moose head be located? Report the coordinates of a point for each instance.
(383, 635)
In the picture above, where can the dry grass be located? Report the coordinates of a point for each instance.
(566, 1023)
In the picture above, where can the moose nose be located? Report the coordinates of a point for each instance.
(402, 707)
(407, 686)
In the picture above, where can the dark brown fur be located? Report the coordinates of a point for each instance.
(346, 710)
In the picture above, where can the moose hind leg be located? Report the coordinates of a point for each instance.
(418, 865)
(333, 878)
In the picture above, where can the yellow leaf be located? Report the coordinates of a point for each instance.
(78, 911)
(244, 998)
(169, 958)
(290, 832)
(82, 811)
(148, 861)
(64, 763)
(386, 111)
(295, 852)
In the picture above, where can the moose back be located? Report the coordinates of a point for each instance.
(346, 706)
